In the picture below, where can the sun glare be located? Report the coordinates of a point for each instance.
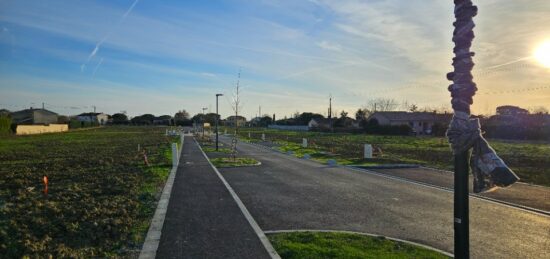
(542, 53)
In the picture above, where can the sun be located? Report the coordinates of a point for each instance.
(542, 54)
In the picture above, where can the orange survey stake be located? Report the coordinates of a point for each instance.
(45, 179)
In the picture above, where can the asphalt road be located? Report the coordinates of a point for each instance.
(532, 196)
(288, 193)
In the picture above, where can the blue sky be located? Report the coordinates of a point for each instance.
(162, 56)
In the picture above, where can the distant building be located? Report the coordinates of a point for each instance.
(231, 121)
(163, 120)
(321, 123)
(420, 122)
(100, 118)
(34, 116)
(511, 110)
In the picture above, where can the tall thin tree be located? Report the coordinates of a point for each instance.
(236, 106)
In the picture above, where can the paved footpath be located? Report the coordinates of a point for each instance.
(288, 193)
(203, 220)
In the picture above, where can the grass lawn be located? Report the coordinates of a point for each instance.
(101, 195)
(344, 245)
(229, 162)
(529, 160)
(209, 149)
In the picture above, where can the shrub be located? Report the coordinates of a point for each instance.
(5, 125)
(74, 124)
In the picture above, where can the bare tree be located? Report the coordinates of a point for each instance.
(236, 106)
(361, 114)
(382, 104)
(406, 106)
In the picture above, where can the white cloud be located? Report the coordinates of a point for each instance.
(329, 46)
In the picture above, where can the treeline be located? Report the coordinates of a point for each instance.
(520, 127)
(345, 124)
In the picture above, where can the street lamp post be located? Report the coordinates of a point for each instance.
(217, 118)
(203, 119)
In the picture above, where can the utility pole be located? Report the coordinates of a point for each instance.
(217, 119)
(330, 112)
(43, 106)
(94, 108)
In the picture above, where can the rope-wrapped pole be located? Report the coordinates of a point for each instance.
(464, 133)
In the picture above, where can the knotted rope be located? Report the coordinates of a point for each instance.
(464, 133)
(488, 169)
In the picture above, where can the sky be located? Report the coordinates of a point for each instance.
(159, 57)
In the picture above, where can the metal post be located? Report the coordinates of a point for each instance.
(461, 206)
(217, 118)
(462, 91)
(367, 151)
(174, 154)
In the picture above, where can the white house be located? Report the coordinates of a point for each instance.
(100, 118)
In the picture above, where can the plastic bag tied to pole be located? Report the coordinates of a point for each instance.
(488, 168)
(464, 133)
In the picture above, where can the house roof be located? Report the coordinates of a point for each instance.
(413, 116)
(90, 114)
(29, 111)
(232, 117)
(323, 120)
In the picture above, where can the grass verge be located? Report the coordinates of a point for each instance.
(209, 149)
(238, 162)
(530, 161)
(344, 245)
(317, 154)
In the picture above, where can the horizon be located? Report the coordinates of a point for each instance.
(159, 58)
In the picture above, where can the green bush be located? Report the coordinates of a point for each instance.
(74, 124)
(5, 125)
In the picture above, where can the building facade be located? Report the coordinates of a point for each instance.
(420, 122)
(100, 118)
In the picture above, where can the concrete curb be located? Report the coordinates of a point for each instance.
(259, 232)
(152, 240)
(360, 233)
(451, 172)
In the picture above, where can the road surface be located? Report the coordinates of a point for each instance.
(287, 193)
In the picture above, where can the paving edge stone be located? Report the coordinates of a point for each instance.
(152, 240)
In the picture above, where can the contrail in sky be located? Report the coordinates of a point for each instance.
(508, 63)
(98, 45)
(97, 66)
